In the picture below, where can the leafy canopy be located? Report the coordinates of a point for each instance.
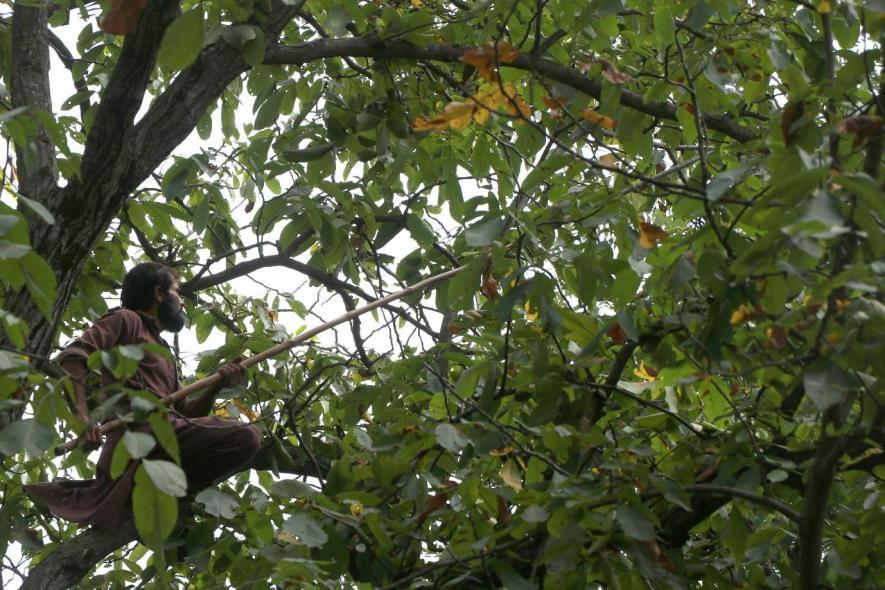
(659, 369)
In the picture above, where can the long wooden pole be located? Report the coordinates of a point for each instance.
(215, 378)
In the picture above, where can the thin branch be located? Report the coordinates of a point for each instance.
(329, 281)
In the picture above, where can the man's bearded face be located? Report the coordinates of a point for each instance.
(170, 313)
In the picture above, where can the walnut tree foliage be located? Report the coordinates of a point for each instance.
(660, 368)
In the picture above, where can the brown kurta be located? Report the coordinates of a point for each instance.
(210, 447)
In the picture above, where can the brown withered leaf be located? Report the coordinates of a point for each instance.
(659, 556)
(595, 118)
(122, 17)
(709, 472)
(432, 504)
(554, 104)
(650, 234)
(777, 336)
(862, 127)
(503, 513)
(487, 57)
(611, 73)
(490, 287)
(616, 333)
(792, 114)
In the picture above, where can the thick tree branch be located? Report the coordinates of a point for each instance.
(67, 565)
(814, 510)
(37, 169)
(378, 49)
(102, 167)
(175, 113)
(73, 559)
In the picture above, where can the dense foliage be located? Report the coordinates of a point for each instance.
(658, 369)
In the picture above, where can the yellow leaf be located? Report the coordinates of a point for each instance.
(609, 160)
(455, 115)
(595, 118)
(740, 315)
(246, 410)
(287, 537)
(649, 234)
(510, 475)
(417, 3)
(824, 7)
(646, 373)
(479, 107)
(530, 316)
(486, 58)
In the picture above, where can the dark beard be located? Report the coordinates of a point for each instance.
(171, 319)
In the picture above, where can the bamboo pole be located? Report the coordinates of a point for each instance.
(215, 378)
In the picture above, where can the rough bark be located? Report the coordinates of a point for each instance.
(37, 171)
(67, 565)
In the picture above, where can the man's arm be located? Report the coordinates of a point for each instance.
(231, 374)
(77, 371)
(109, 331)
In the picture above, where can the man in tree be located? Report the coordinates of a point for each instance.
(210, 447)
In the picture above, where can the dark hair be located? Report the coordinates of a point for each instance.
(139, 283)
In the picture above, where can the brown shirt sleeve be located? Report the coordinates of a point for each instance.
(113, 329)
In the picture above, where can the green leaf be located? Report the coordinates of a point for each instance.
(37, 207)
(308, 154)
(665, 29)
(27, 435)
(167, 476)
(725, 181)
(165, 435)
(218, 503)
(308, 530)
(535, 514)
(483, 233)
(462, 288)
(249, 39)
(292, 488)
(867, 189)
(9, 250)
(139, 444)
(792, 188)
(634, 524)
(735, 535)
(450, 437)
(7, 222)
(827, 384)
(269, 112)
(156, 513)
(511, 579)
(182, 42)
(634, 133)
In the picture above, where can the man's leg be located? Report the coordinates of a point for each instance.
(213, 448)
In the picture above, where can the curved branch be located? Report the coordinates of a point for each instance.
(445, 52)
(329, 281)
(66, 566)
